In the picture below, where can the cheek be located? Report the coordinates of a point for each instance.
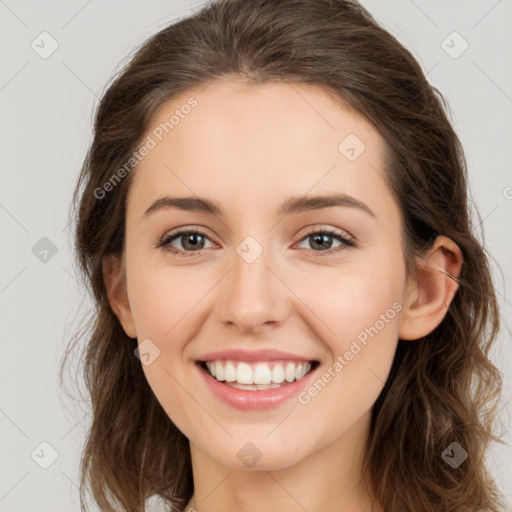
(360, 302)
(163, 299)
(357, 315)
(366, 327)
(164, 307)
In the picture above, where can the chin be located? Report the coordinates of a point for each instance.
(258, 455)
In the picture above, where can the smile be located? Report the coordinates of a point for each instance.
(255, 376)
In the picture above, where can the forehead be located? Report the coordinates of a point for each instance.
(248, 145)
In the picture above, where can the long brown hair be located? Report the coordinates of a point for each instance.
(441, 389)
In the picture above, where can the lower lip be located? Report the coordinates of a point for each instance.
(255, 400)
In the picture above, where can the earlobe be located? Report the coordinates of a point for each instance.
(114, 279)
(429, 296)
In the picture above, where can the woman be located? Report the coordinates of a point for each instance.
(235, 363)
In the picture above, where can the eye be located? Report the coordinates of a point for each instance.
(322, 239)
(192, 241)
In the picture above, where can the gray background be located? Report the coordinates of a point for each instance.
(45, 122)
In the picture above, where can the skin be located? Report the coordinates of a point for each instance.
(250, 148)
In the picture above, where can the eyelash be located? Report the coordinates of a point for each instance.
(165, 241)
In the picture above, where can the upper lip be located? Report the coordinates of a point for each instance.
(253, 355)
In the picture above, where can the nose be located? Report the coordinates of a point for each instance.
(252, 297)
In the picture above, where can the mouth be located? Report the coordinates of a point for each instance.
(257, 375)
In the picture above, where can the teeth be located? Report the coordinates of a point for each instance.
(219, 371)
(277, 374)
(244, 375)
(289, 373)
(253, 387)
(262, 374)
(230, 372)
(211, 367)
(298, 371)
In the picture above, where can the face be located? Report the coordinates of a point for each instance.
(267, 282)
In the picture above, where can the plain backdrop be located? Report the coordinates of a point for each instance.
(49, 85)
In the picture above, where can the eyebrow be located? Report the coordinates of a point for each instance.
(292, 205)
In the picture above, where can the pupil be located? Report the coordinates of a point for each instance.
(192, 239)
(318, 239)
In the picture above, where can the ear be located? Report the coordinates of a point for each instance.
(115, 283)
(429, 296)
